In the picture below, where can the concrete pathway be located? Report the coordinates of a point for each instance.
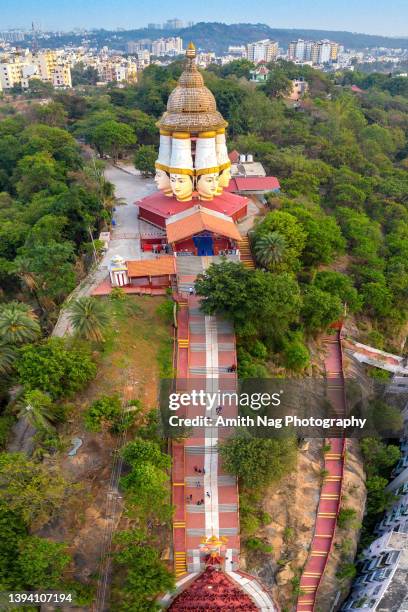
(125, 235)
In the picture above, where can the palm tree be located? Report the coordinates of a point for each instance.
(88, 318)
(36, 408)
(18, 324)
(270, 249)
(7, 358)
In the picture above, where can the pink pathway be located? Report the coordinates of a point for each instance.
(330, 494)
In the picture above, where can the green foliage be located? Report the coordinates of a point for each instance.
(37, 408)
(257, 461)
(42, 562)
(320, 309)
(346, 518)
(379, 457)
(165, 311)
(292, 237)
(295, 354)
(146, 484)
(145, 575)
(346, 571)
(54, 368)
(340, 285)
(113, 138)
(29, 489)
(18, 324)
(104, 412)
(88, 317)
(144, 159)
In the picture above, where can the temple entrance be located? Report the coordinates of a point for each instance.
(204, 245)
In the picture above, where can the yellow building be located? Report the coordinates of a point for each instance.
(11, 74)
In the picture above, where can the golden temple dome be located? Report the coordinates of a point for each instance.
(191, 106)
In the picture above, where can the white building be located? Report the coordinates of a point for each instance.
(262, 51)
(382, 585)
(167, 46)
(317, 52)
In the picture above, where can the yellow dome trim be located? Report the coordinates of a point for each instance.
(225, 166)
(221, 131)
(181, 135)
(165, 133)
(206, 134)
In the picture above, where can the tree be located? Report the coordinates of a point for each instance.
(377, 298)
(30, 489)
(146, 485)
(37, 408)
(320, 309)
(52, 114)
(18, 324)
(84, 75)
(113, 137)
(54, 368)
(379, 458)
(47, 269)
(145, 158)
(258, 461)
(290, 230)
(269, 250)
(88, 318)
(295, 354)
(105, 411)
(145, 574)
(35, 173)
(277, 84)
(341, 285)
(257, 302)
(7, 358)
(41, 562)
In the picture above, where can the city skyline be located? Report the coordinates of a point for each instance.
(389, 18)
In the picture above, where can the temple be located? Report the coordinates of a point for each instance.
(193, 220)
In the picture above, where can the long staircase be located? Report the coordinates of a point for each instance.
(246, 255)
(204, 496)
(330, 493)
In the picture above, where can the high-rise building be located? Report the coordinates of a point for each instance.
(317, 52)
(262, 51)
(173, 24)
(167, 46)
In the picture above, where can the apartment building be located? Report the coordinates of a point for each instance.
(316, 52)
(262, 51)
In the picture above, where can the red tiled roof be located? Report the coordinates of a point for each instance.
(151, 267)
(199, 221)
(213, 591)
(229, 204)
(254, 183)
(233, 156)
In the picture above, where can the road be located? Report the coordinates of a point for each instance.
(125, 234)
(125, 241)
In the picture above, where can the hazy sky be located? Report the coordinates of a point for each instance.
(388, 17)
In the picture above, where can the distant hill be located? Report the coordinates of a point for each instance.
(217, 37)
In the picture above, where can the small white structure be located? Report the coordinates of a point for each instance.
(105, 238)
(118, 271)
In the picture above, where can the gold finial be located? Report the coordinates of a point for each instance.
(191, 50)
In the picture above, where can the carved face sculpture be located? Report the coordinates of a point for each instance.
(207, 185)
(224, 177)
(181, 186)
(162, 180)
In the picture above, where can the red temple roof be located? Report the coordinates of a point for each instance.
(254, 183)
(162, 207)
(213, 590)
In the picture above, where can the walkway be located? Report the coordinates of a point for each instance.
(330, 494)
(125, 236)
(375, 357)
(204, 496)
